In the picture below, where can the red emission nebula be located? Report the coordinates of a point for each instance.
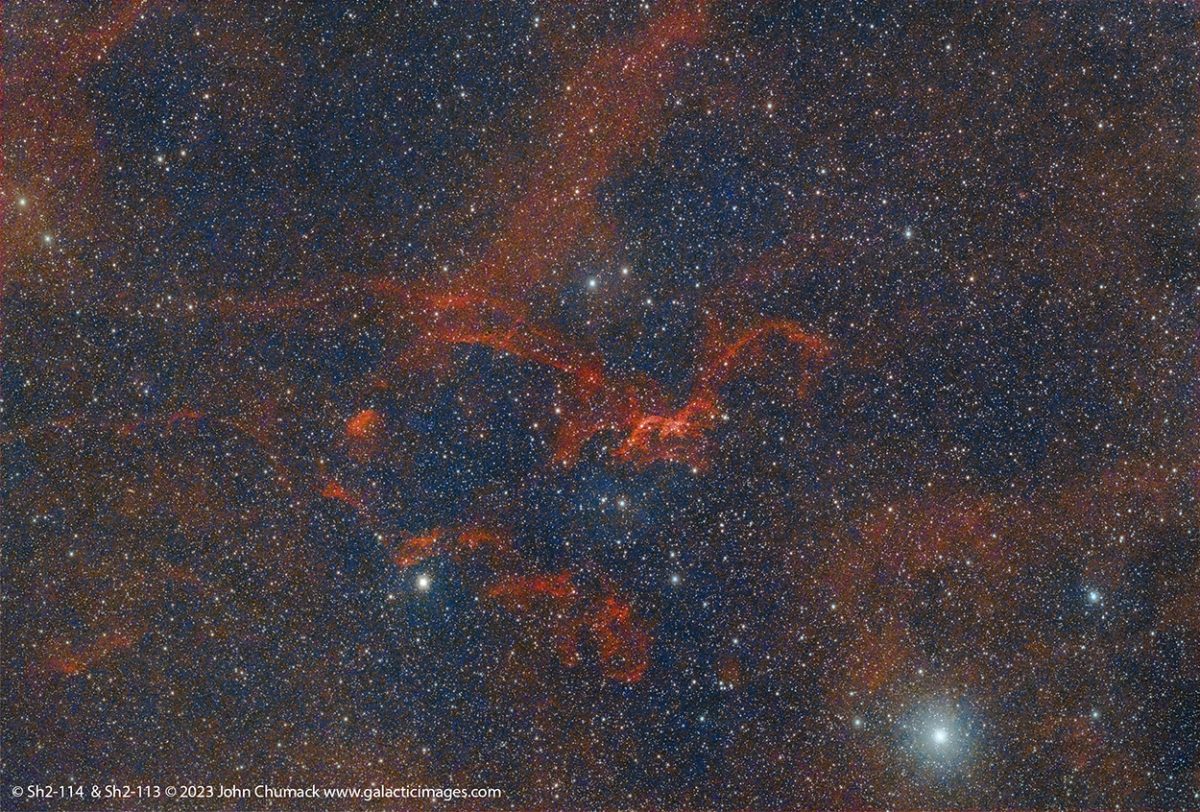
(666, 405)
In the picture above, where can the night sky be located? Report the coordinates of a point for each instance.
(674, 405)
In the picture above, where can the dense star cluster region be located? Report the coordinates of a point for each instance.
(685, 404)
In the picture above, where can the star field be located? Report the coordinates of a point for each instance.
(673, 405)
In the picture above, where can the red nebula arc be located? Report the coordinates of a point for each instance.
(680, 436)
(634, 407)
(610, 108)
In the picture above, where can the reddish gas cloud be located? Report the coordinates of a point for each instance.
(523, 592)
(499, 325)
(123, 627)
(72, 661)
(617, 636)
(48, 128)
(417, 549)
(634, 407)
(364, 434)
(457, 543)
(364, 425)
(649, 428)
(90, 46)
(335, 490)
(610, 107)
(622, 644)
(574, 615)
(680, 436)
